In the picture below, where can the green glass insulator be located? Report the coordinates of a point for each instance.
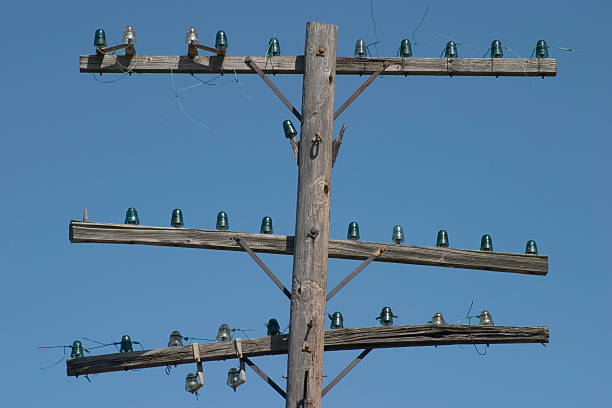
(289, 129)
(386, 316)
(221, 40)
(541, 50)
(442, 240)
(451, 50)
(531, 248)
(405, 49)
(496, 49)
(273, 47)
(398, 234)
(126, 344)
(337, 321)
(486, 244)
(360, 49)
(177, 218)
(222, 221)
(176, 339)
(131, 216)
(76, 349)
(100, 38)
(353, 231)
(191, 383)
(266, 226)
(273, 327)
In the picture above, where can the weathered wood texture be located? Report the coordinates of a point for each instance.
(338, 339)
(92, 232)
(309, 280)
(151, 64)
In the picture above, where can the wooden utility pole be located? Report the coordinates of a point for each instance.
(309, 282)
(315, 153)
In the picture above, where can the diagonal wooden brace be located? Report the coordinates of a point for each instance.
(344, 372)
(267, 379)
(356, 271)
(361, 89)
(263, 266)
(277, 91)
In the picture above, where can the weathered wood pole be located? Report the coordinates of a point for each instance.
(307, 320)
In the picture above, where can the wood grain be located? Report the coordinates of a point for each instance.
(334, 340)
(309, 279)
(92, 232)
(151, 64)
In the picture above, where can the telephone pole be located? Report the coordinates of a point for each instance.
(309, 281)
(315, 154)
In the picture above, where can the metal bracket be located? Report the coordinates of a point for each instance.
(192, 50)
(344, 372)
(361, 89)
(129, 49)
(295, 146)
(336, 143)
(313, 233)
(263, 266)
(365, 263)
(267, 379)
(278, 93)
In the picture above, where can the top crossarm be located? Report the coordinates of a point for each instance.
(295, 65)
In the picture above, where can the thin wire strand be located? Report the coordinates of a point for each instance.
(420, 22)
(197, 338)
(375, 32)
(126, 70)
(54, 364)
(178, 100)
(99, 342)
(58, 361)
(469, 317)
(46, 347)
(458, 43)
(518, 56)
(239, 84)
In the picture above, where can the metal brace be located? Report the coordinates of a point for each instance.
(313, 233)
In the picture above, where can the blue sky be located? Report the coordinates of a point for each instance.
(517, 158)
